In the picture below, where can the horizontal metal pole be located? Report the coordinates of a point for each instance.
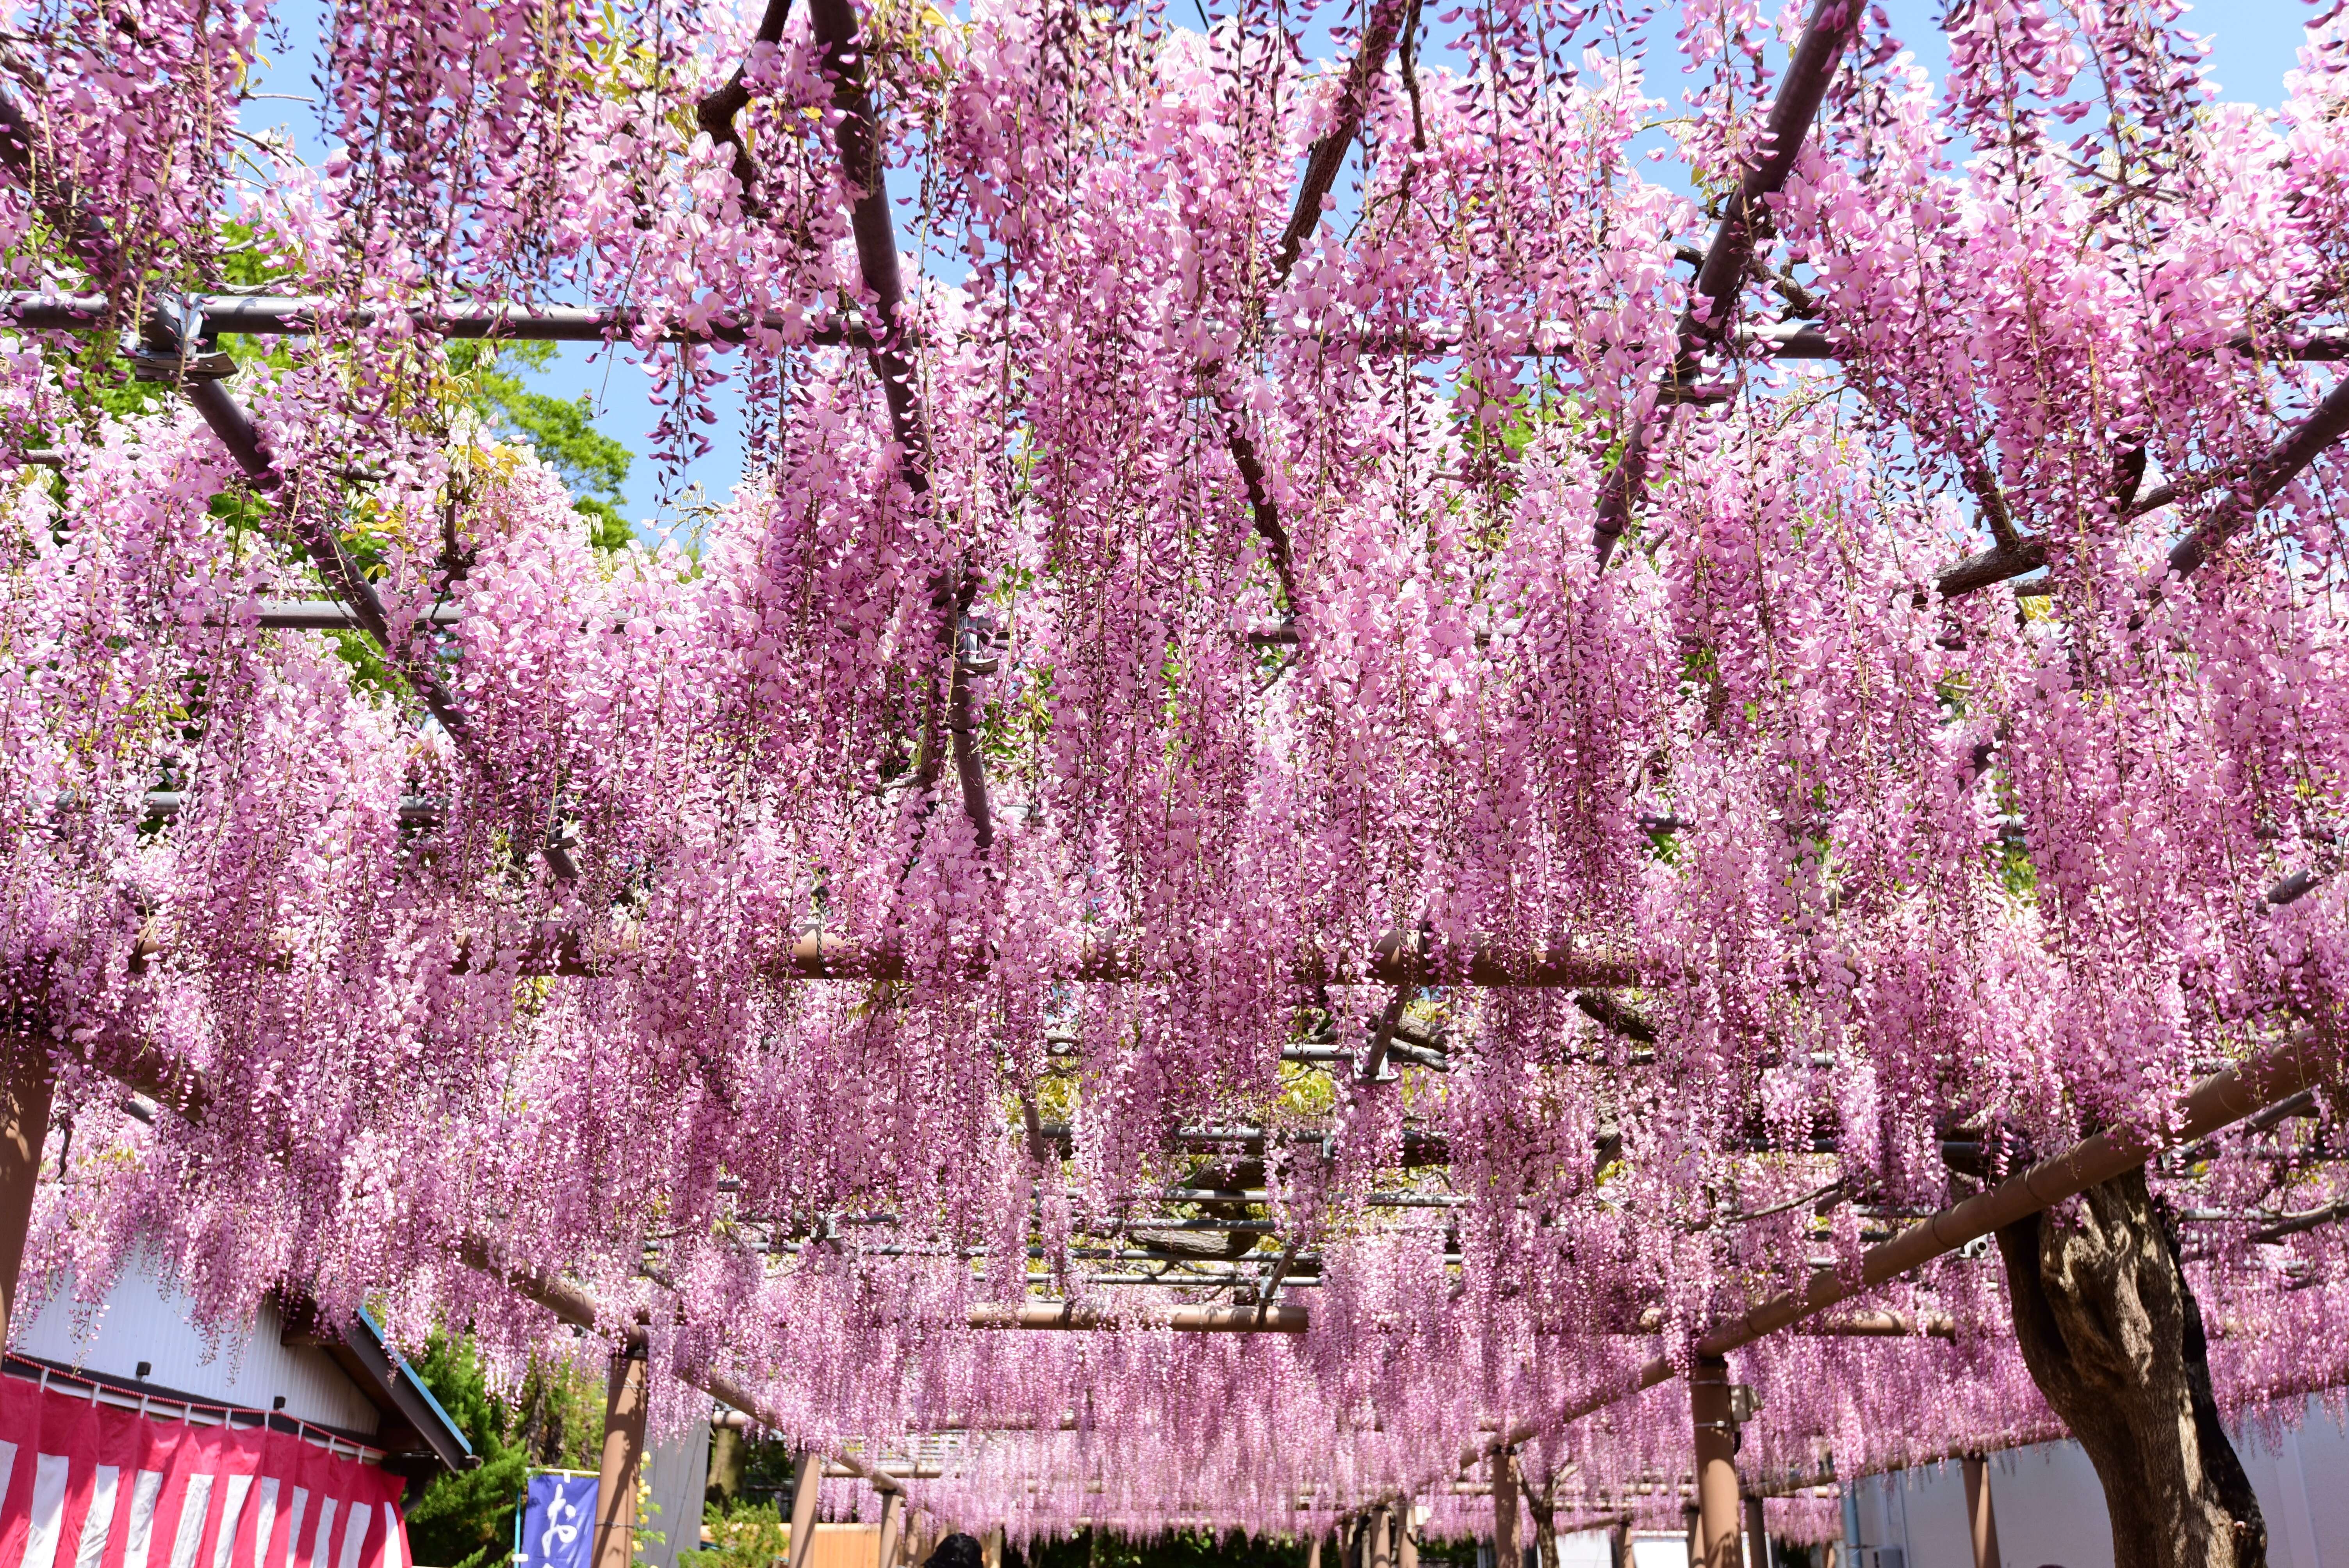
(333, 616)
(414, 811)
(292, 315)
(1277, 1318)
(287, 316)
(560, 951)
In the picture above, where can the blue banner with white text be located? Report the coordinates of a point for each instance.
(558, 1521)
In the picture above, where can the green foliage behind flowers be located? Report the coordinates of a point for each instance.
(594, 465)
(744, 1534)
(1176, 1549)
(466, 1519)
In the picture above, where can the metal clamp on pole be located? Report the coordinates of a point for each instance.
(160, 350)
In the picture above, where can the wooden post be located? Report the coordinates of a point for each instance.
(1757, 1534)
(624, 1448)
(808, 1468)
(893, 1526)
(1379, 1547)
(990, 1548)
(1406, 1534)
(1506, 1551)
(26, 1084)
(1716, 1463)
(1980, 1515)
(1312, 1554)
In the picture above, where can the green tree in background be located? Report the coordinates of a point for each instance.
(594, 465)
(466, 1519)
(743, 1535)
(1176, 1549)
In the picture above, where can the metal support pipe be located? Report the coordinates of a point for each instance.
(1716, 1463)
(1272, 1319)
(808, 1482)
(27, 1083)
(1981, 1519)
(624, 1448)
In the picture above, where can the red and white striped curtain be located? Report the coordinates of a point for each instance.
(92, 1486)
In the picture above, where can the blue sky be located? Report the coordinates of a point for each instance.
(2253, 44)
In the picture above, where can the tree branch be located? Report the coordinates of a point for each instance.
(715, 113)
(858, 138)
(1706, 321)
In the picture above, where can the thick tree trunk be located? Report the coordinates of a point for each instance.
(2114, 1339)
(1539, 1503)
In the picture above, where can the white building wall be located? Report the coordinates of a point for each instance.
(146, 1319)
(677, 1475)
(1586, 1549)
(2051, 1509)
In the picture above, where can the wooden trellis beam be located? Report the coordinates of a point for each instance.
(2217, 1102)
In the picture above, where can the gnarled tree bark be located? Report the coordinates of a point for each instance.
(2110, 1331)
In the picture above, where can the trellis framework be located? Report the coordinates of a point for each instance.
(1268, 496)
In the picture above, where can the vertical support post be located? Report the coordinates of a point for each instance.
(27, 1082)
(990, 1548)
(1406, 1534)
(1379, 1552)
(624, 1448)
(1981, 1518)
(893, 1528)
(1312, 1554)
(807, 1480)
(1716, 1463)
(1757, 1534)
(1506, 1551)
